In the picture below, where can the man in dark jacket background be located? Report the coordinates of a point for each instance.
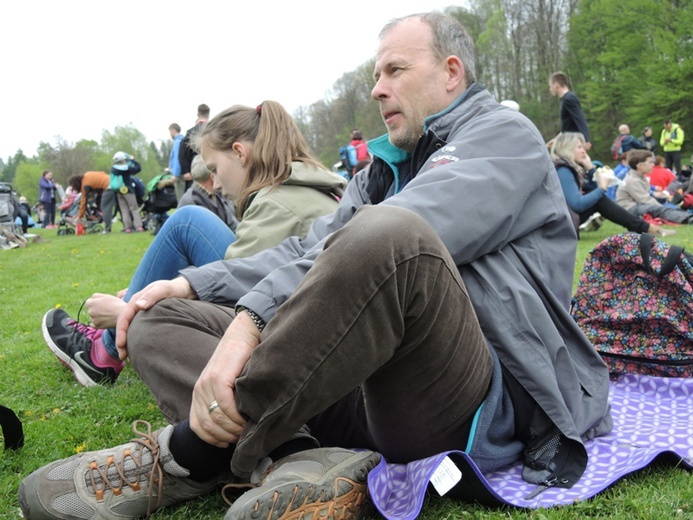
(572, 117)
(628, 142)
(186, 152)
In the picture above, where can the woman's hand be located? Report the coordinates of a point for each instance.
(223, 425)
(603, 183)
(103, 310)
(587, 163)
(145, 299)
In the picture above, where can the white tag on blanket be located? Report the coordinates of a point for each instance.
(446, 475)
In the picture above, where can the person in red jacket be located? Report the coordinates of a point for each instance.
(661, 176)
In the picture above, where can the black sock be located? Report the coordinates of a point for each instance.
(202, 460)
(205, 461)
(293, 446)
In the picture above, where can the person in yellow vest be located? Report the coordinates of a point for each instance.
(671, 142)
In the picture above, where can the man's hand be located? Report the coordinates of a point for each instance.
(103, 310)
(588, 145)
(224, 424)
(143, 300)
(187, 176)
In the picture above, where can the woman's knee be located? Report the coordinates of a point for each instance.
(188, 213)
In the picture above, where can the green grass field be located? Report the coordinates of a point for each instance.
(62, 418)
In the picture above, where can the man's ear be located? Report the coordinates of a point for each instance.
(456, 73)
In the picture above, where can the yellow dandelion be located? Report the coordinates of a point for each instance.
(58, 305)
(80, 448)
(76, 284)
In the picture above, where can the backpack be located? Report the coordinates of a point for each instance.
(12, 430)
(616, 149)
(344, 156)
(634, 302)
(137, 187)
(116, 183)
(361, 150)
(351, 155)
(686, 201)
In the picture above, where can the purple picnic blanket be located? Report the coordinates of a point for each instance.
(652, 416)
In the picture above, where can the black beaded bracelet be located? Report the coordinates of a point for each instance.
(257, 320)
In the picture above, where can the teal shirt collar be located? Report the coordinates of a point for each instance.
(382, 147)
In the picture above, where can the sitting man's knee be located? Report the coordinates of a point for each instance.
(390, 224)
(142, 332)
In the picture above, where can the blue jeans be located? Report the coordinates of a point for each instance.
(192, 236)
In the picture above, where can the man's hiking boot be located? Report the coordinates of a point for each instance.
(311, 484)
(78, 347)
(127, 481)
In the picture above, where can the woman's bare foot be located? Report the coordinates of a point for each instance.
(660, 231)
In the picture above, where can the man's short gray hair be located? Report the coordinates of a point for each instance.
(198, 169)
(449, 38)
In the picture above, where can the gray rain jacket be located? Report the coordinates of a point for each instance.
(482, 178)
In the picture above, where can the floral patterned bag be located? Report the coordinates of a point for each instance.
(634, 302)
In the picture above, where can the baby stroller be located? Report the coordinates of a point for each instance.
(161, 197)
(93, 218)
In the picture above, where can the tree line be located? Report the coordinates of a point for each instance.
(629, 62)
(65, 159)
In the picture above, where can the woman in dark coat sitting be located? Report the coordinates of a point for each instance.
(574, 166)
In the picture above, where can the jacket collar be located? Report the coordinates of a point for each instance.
(394, 157)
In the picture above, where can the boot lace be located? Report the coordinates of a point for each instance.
(234, 490)
(98, 475)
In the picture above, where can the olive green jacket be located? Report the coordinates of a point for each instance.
(276, 213)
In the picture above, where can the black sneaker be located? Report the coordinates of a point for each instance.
(72, 342)
(320, 483)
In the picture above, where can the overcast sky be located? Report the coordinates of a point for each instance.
(75, 68)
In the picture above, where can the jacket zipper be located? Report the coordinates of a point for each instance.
(553, 479)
